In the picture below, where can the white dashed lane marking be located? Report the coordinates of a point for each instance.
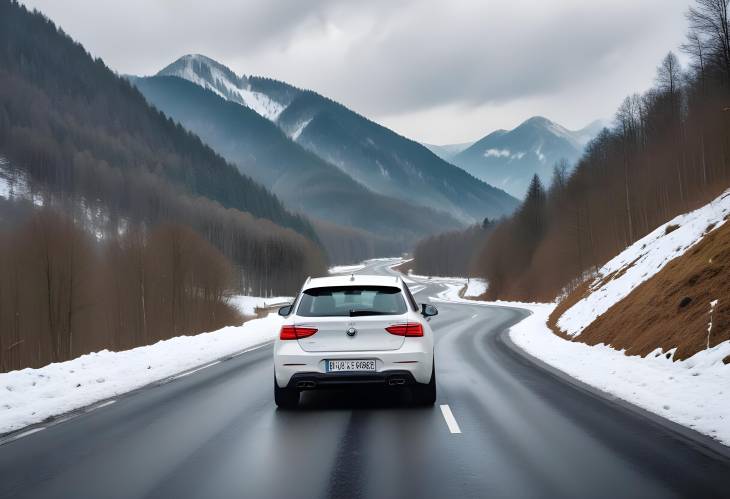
(450, 419)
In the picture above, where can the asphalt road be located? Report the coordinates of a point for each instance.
(217, 434)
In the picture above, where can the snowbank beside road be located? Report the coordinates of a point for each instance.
(475, 287)
(642, 260)
(693, 392)
(31, 396)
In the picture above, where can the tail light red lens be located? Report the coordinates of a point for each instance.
(296, 332)
(407, 329)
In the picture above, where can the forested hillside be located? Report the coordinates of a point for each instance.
(127, 228)
(302, 180)
(667, 153)
(450, 253)
(386, 162)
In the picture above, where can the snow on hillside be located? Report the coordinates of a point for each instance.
(692, 392)
(15, 185)
(641, 261)
(299, 129)
(33, 395)
(223, 82)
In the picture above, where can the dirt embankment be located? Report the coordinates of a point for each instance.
(670, 310)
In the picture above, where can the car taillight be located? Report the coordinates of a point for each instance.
(296, 332)
(408, 329)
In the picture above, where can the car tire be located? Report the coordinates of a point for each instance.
(425, 394)
(285, 398)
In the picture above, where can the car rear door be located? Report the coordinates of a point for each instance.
(354, 334)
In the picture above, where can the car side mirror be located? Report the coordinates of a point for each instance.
(428, 310)
(285, 310)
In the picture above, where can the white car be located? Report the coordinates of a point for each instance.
(353, 330)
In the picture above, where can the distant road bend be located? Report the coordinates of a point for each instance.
(502, 427)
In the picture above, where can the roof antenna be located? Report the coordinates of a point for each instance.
(352, 277)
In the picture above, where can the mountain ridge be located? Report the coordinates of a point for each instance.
(302, 180)
(509, 158)
(376, 157)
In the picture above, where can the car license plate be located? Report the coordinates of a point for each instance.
(350, 365)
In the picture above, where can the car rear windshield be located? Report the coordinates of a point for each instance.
(351, 301)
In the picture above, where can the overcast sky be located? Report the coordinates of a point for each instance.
(436, 71)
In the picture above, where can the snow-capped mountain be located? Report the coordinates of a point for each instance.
(509, 158)
(207, 73)
(303, 181)
(372, 155)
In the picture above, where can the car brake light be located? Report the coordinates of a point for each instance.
(407, 329)
(296, 332)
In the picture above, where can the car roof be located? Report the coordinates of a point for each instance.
(353, 280)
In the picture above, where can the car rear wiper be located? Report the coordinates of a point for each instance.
(359, 313)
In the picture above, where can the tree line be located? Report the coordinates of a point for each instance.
(81, 133)
(133, 230)
(450, 253)
(667, 152)
(56, 101)
(65, 293)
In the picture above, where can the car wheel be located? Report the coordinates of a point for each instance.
(285, 398)
(426, 394)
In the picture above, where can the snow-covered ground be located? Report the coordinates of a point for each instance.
(247, 305)
(30, 396)
(475, 287)
(693, 392)
(344, 269)
(641, 261)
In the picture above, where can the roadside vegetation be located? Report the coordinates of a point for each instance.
(118, 227)
(667, 152)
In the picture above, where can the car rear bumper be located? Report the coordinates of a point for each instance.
(315, 380)
(414, 359)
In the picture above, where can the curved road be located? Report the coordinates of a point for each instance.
(216, 434)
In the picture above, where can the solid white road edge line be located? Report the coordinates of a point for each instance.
(178, 376)
(266, 344)
(99, 406)
(210, 364)
(24, 434)
(450, 420)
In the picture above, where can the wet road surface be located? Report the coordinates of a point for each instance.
(217, 434)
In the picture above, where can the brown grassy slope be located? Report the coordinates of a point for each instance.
(672, 308)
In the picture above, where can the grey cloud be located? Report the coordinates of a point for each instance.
(392, 58)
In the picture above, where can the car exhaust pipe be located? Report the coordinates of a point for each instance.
(305, 385)
(396, 381)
